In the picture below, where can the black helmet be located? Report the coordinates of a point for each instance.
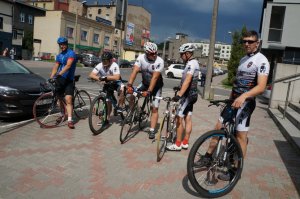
(106, 56)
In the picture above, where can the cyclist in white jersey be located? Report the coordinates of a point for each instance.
(106, 71)
(187, 95)
(151, 67)
(251, 80)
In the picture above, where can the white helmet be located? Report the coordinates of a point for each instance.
(188, 47)
(150, 47)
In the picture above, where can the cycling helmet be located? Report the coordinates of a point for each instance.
(150, 47)
(188, 47)
(62, 40)
(106, 56)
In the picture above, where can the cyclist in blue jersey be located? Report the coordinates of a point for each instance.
(64, 71)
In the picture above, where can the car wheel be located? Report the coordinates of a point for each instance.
(170, 75)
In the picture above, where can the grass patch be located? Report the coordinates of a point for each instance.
(226, 84)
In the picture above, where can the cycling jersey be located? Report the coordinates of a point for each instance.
(102, 71)
(249, 69)
(192, 68)
(148, 67)
(62, 59)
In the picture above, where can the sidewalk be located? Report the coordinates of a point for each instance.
(62, 163)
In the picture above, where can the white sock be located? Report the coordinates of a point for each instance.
(151, 129)
(69, 119)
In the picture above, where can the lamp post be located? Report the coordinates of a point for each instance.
(76, 22)
(164, 49)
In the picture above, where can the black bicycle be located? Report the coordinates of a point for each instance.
(49, 110)
(137, 116)
(99, 108)
(226, 159)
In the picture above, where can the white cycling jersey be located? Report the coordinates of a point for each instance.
(249, 69)
(192, 68)
(148, 67)
(112, 70)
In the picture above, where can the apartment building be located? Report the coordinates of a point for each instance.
(6, 20)
(222, 50)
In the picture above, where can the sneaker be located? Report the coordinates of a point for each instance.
(71, 125)
(224, 176)
(151, 135)
(204, 161)
(174, 147)
(184, 146)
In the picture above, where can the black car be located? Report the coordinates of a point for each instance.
(19, 88)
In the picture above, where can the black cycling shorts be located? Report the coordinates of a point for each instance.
(64, 87)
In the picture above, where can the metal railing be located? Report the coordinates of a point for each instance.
(289, 80)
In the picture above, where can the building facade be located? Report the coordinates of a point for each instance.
(222, 50)
(90, 36)
(6, 21)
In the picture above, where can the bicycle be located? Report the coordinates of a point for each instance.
(47, 109)
(136, 115)
(227, 156)
(167, 128)
(99, 109)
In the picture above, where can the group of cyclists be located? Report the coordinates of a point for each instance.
(251, 80)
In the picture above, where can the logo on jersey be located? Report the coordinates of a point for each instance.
(152, 67)
(115, 69)
(189, 68)
(262, 68)
(158, 65)
(249, 64)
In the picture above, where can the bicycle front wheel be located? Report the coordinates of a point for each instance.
(48, 111)
(82, 103)
(227, 159)
(162, 138)
(97, 115)
(129, 120)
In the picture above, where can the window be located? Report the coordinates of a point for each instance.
(69, 32)
(276, 23)
(1, 22)
(106, 40)
(116, 43)
(83, 35)
(15, 34)
(99, 11)
(22, 17)
(30, 19)
(96, 38)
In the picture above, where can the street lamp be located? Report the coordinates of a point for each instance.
(76, 21)
(164, 49)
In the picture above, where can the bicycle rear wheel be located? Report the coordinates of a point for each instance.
(162, 138)
(129, 120)
(97, 115)
(48, 111)
(204, 176)
(82, 103)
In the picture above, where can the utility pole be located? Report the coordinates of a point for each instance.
(207, 89)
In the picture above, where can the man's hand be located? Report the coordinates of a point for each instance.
(146, 93)
(176, 98)
(129, 89)
(238, 102)
(104, 78)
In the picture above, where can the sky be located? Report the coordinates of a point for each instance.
(193, 17)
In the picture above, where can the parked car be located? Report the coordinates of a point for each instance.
(123, 63)
(176, 70)
(90, 60)
(19, 88)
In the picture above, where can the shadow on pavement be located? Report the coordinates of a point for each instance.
(291, 161)
(188, 188)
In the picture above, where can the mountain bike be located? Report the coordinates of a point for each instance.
(99, 107)
(227, 156)
(49, 110)
(167, 129)
(137, 116)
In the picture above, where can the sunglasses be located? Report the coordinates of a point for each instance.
(249, 41)
(152, 54)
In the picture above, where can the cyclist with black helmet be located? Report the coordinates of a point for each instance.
(108, 70)
(151, 67)
(187, 95)
(64, 71)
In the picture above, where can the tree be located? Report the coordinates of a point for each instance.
(237, 52)
(28, 41)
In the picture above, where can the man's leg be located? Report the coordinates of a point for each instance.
(188, 131)
(242, 138)
(153, 122)
(69, 110)
(109, 109)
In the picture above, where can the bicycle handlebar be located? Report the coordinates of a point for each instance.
(219, 102)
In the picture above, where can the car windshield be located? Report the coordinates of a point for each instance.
(8, 66)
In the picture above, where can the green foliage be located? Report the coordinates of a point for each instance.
(28, 41)
(237, 52)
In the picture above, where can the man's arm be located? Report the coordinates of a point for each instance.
(54, 70)
(136, 69)
(67, 66)
(185, 84)
(153, 81)
(258, 89)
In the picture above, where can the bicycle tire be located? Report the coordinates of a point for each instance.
(127, 123)
(82, 103)
(206, 184)
(48, 115)
(97, 115)
(162, 138)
